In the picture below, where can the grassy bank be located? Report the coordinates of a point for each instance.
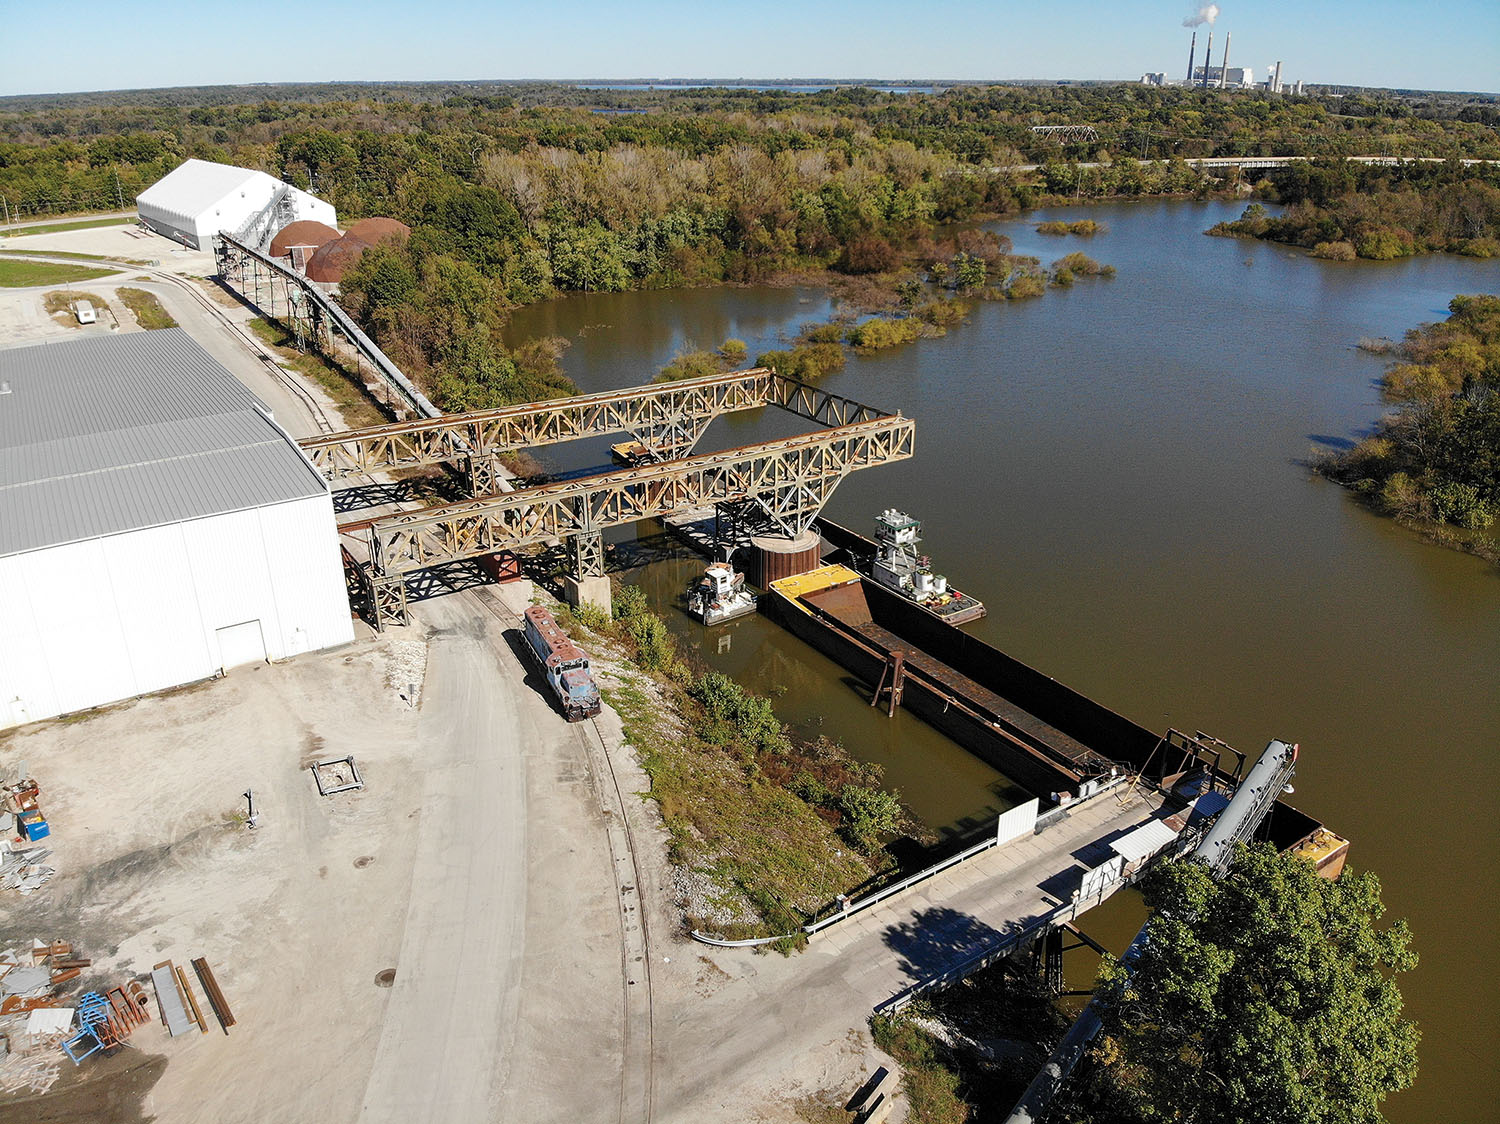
(22, 274)
(767, 829)
(58, 227)
(353, 403)
(146, 309)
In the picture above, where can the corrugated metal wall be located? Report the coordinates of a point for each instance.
(92, 622)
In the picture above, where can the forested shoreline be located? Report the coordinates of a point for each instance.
(1434, 462)
(1341, 211)
(516, 193)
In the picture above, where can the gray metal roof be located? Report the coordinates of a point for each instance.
(117, 433)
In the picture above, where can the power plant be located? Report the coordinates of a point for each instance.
(1204, 75)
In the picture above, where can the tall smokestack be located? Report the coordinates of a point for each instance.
(1208, 54)
(1192, 51)
(1276, 79)
(1224, 70)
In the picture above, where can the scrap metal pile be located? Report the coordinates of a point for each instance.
(22, 866)
(35, 1019)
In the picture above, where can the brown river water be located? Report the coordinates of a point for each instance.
(1117, 471)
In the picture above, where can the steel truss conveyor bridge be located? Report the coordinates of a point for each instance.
(789, 479)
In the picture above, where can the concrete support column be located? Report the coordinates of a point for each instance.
(587, 585)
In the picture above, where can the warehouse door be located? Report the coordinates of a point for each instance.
(241, 644)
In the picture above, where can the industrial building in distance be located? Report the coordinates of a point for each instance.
(1205, 75)
(157, 527)
(199, 199)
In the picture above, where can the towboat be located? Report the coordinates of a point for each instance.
(898, 567)
(720, 595)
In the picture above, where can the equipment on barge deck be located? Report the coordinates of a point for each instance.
(899, 568)
(563, 665)
(720, 595)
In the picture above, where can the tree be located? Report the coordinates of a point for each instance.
(1268, 996)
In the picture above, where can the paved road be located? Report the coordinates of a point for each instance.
(755, 1038)
(509, 995)
(130, 214)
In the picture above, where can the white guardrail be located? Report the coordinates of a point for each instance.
(1008, 827)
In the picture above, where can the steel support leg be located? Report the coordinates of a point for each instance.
(390, 602)
(482, 475)
(586, 555)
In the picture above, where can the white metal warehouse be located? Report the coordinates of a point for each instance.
(156, 526)
(199, 199)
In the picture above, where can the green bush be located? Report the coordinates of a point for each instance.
(1024, 286)
(733, 351)
(810, 361)
(1479, 248)
(1399, 495)
(1335, 251)
(1385, 244)
(868, 814)
(1453, 502)
(735, 715)
(591, 616)
(690, 365)
(880, 333)
(654, 647)
(630, 601)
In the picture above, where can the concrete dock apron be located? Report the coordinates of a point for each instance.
(522, 966)
(453, 1005)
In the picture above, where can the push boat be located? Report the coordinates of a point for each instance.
(897, 566)
(720, 595)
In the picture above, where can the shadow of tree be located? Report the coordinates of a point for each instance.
(938, 939)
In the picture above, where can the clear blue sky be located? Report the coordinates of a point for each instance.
(47, 48)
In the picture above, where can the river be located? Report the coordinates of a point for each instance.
(1117, 470)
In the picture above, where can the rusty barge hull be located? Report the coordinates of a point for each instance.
(1040, 733)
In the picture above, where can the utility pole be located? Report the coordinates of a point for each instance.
(119, 198)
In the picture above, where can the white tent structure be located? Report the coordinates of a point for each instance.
(156, 526)
(199, 199)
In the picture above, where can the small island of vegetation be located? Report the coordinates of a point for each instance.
(1342, 211)
(1434, 462)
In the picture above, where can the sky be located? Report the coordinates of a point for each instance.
(156, 43)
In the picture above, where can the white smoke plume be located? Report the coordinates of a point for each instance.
(1206, 14)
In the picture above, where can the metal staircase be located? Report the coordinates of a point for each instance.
(261, 227)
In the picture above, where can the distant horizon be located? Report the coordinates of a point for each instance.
(703, 82)
(170, 44)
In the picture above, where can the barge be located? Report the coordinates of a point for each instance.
(1055, 742)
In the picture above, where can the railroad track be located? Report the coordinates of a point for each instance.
(638, 1029)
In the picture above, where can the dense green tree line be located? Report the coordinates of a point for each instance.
(1436, 458)
(1343, 211)
(515, 193)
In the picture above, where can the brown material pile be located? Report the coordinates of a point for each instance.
(379, 229)
(330, 260)
(303, 232)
